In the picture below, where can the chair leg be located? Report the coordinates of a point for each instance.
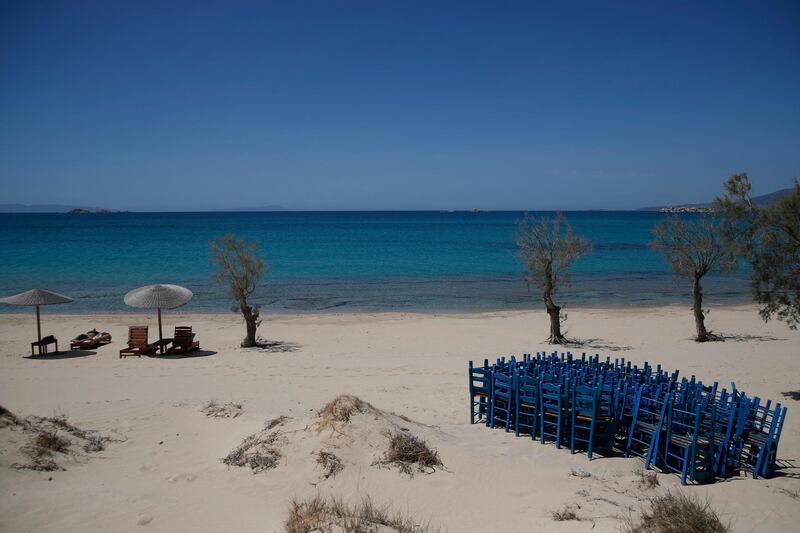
(471, 409)
(685, 465)
(558, 432)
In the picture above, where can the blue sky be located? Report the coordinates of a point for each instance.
(395, 105)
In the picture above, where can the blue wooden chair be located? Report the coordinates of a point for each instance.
(551, 405)
(526, 412)
(759, 440)
(501, 409)
(593, 425)
(689, 443)
(480, 392)
(647, 423)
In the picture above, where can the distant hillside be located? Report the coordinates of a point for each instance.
(46, 208)
(759, 201)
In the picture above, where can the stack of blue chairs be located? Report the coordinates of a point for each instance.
(700, 432)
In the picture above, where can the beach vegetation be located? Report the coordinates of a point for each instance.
(407, 451)
(548, 248)
(319, 514)
(340, 410)
(769, 238)
(240, 268)
(330, 463)
(259, 452)
(565, 515)
(693, 248)
(676, 512)
(226, 410)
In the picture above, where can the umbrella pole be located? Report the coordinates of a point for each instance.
(38, 325)
(160, 335)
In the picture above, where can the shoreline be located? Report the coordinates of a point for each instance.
(15, 311)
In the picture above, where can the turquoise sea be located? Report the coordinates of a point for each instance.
(337, 261)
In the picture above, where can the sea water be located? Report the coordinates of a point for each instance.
(339, 261)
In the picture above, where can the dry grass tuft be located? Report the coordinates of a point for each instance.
(330, 463)
(675, 512)
(648, 479)
(226, 410)
(565, 514)
(406, 451)
(40, 451)
(93, 440)
(52, 435)
(7, 418)
(340, 410)
(581, 474)
(50, 441)
(259, 452)
(276, 422)
(328, 515)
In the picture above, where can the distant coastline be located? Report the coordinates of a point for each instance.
(759, 201)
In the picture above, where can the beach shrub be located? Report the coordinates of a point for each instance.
(769, 238)
(407, 451)
(240, 268)
(259, 452)
(564, 515)
(648, 479)
(330, 463)
(326, 515)
(339, 411)
(675, 512)
(694, 248)
(548, 249)
(226, 410)
(7, 418)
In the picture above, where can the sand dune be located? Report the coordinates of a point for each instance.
(165, 472)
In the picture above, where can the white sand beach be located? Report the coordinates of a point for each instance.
(163, 472)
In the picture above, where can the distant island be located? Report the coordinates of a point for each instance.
(759, 201)
(53, 208)
(100, 211)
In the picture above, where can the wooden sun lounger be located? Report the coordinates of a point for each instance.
(137, 343)
(183, 342)
(90, 339)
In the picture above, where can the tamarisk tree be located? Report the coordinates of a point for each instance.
(548, 249)
(240, 268)
(769, 238)
(694, 248)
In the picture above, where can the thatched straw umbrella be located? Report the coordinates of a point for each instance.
(159, 297)
(37, 297)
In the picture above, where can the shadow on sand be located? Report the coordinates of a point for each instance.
(748, 338)
(187, 355)
(52, 356)
(277, 346)
(596, 344)
(787, 468)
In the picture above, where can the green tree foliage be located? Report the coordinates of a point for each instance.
(240, 268)
(694, 248)
(769, 237)
(548, 249)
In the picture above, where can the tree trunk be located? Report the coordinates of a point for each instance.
(699, 317)
(553, 310)
(250, 322)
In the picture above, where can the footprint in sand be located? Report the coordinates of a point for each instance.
(181, 477)
(143, 521)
